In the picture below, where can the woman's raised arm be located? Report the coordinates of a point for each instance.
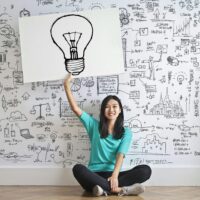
(72, 102)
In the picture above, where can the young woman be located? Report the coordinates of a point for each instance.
(110, 141)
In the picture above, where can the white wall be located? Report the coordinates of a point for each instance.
(53, 176)
(159, 91)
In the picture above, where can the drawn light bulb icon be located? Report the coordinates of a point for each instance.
(180, 79)
(53, 137)
(72, 34)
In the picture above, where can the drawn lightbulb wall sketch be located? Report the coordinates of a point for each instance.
(72, 34)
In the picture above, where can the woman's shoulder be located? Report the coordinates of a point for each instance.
(86, 116)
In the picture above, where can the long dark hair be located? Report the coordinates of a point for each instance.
(103, 124)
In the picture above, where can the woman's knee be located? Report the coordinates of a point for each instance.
(147, 171)
(144, 170)
(77, 169)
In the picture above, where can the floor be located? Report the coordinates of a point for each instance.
(76, 193)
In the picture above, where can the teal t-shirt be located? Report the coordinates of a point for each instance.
(104, 150)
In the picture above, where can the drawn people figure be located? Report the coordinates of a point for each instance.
(152, 66)
(110, 141)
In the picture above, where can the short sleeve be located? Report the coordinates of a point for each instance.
(88, 122)
(126, 141)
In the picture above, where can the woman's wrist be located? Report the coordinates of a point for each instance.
(67, 84)
(115, 174)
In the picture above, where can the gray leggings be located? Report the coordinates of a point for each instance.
(88, 179)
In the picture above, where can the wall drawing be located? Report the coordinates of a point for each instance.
(160, 88)
(77, 31)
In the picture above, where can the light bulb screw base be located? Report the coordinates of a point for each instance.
(75, 67)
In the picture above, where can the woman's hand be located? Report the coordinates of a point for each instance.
(113, 183)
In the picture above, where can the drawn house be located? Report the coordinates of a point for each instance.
(167, 108)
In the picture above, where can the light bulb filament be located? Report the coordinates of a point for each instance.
(72, 39)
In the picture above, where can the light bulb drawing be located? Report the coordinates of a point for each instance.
(72, 34)
(180, 79)
(53, 137)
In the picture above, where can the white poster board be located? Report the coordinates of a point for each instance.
(84, 44)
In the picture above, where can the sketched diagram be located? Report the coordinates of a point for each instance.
(167, 108)
(152, 144)
(72, 34)
(124, 16)
(14, 157)
(134, 124)
(65, 110)
(182, 29)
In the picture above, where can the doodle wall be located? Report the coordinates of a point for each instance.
(159, 88)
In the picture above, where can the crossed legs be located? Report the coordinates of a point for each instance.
(88, 179)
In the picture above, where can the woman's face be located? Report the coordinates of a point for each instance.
(112, 110)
